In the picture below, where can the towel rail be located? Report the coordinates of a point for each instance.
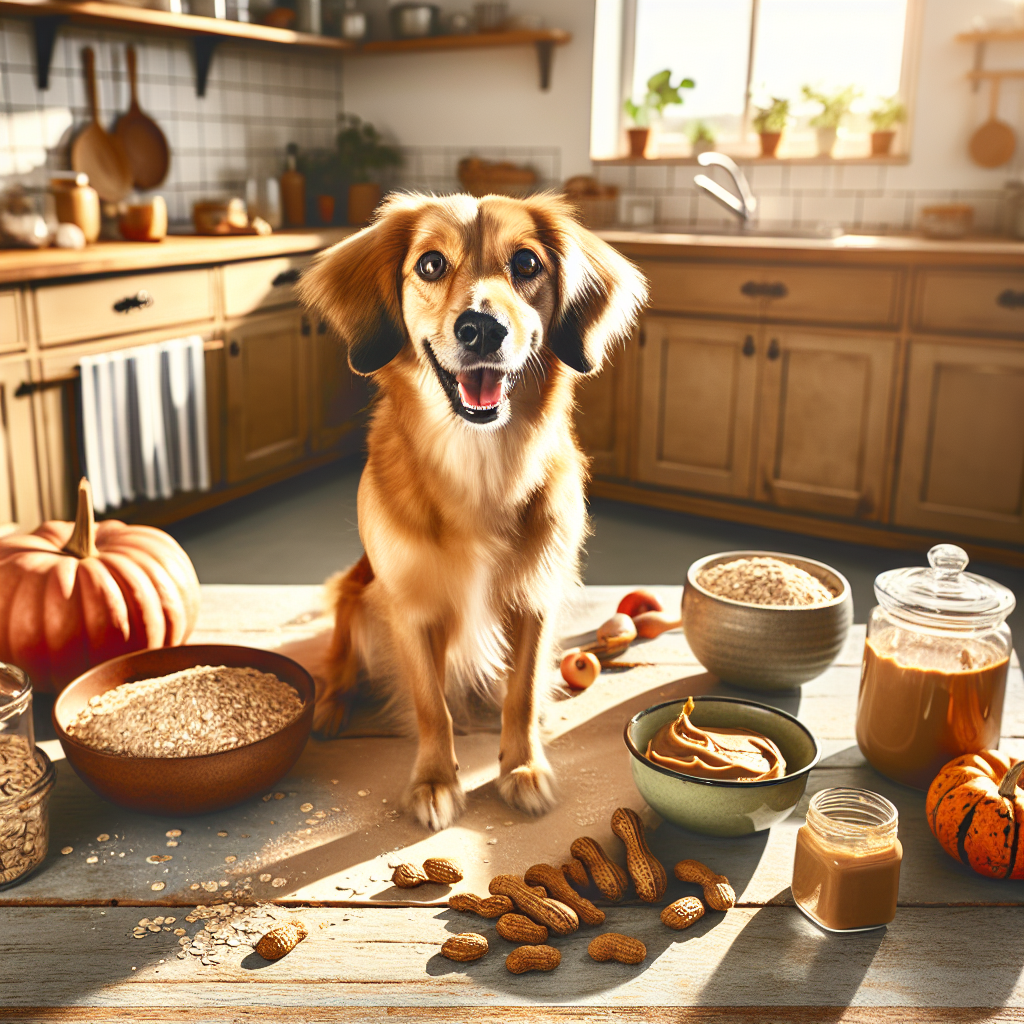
(31, 387)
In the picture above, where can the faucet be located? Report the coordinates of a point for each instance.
(743, 206)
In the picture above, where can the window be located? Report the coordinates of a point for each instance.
(741, 54)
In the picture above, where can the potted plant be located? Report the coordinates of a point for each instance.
(361, 155)
(769, 123)
(702, 138)
(660, 94)
(834, 107)
(884, 118)
(323, 178)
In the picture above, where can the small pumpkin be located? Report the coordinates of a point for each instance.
(73, 595)
(976, 811)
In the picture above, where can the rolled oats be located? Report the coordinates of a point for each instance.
(764, 581)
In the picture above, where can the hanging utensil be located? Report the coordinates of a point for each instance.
(97, 153)
(994, 142)
(143, 141)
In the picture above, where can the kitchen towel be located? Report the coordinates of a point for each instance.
(143, 422)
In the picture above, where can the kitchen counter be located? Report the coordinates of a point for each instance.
(68, 951)
(18, 265)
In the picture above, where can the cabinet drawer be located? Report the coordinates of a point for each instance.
(261, 284)
(120, 305)
(866, 297)
(10, 323)
(970, 301)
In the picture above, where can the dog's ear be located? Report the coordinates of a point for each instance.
(600, 292)
(356, 287)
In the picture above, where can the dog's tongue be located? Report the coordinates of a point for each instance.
(480, 388)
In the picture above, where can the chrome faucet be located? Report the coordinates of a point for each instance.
(744, 205)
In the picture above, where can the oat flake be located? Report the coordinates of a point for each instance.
(173, 833)
(92, 860)
(265, 878)
(278, 882)
(102, 838)
(158, 886)
(67, 849)
(306, 808)
(230, 859)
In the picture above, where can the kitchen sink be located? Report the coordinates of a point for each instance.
(822, 232)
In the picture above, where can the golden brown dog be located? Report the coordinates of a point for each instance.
(474, 317)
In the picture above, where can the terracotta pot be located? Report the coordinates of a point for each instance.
(362, 201)
(826, 141)
(325, 207)
(638, 138)
(881, 143)
(770, 143)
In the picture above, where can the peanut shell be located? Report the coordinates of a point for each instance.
(519, 928)
(533, 958)
(442, 869)
(281, 939)
(613, 946)
(682, 913)
(465, 947)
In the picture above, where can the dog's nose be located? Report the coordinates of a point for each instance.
(479, 332)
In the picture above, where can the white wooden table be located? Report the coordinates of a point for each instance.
(954, 952)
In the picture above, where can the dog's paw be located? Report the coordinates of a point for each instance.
(530, 788)
(436, 804)
(330, 716)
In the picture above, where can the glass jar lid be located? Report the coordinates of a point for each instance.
(944, 596)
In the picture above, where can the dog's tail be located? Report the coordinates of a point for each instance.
(343, 593)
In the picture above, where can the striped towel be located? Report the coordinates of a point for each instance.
(143, 422)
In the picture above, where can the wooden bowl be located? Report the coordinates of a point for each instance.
(185, 785)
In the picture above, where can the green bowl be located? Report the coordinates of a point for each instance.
(719, 807)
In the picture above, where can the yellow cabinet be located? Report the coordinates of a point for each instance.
(266, 390)
(20, 502)
(604, 412)
(337, 395)
(697, 387)
(962, 461)
(826, 409)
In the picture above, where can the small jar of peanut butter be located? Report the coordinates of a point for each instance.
(846, 872)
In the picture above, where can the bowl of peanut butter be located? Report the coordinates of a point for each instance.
(720, 766)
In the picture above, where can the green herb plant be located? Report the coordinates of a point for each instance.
(660, 94)
(772, 118)
(360, 152)
(700, 132)
(834, 106)
(889, 113)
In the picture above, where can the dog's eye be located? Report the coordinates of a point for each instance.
(525, 264)
(431, 265)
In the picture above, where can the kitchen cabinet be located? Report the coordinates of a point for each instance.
(962, 459)
(11, 334)
(337, 395)
(20, 501)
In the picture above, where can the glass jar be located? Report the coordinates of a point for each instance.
(934, 671)
(846, 871)
(16, 708)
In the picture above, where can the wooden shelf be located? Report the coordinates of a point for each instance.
(979, 41)
(48, 16)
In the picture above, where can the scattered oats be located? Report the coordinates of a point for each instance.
(121, 854)
(180, 931)
(103, 838)
(153, 928)
(173, 833)
(308, 831)
(492, 842)
(269, 796)
(364, 792)
(279, 796)
(135, 968)
(158, 886)
(508, 823)
(210, 886)
(230, 859)
(195, 885)
(222, 834)
(158, 858)
(764, 581)
(311, 821)
(488, 828)
(92, 860)
(244, 835)
(273, 823)
(337, 810)
(158, 920)
(224, 883)
(67, 849)
(265, 877)
(278, 882)
(385, 800)
(323, 814)
(172, 842)
(305, 808)
(138, 935)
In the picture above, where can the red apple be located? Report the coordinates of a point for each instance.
(636, 602)
(579, 669)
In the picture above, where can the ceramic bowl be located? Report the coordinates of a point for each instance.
(185, 785)
(765, 647)
(717, 807)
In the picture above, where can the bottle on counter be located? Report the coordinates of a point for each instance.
(293, 189)
(77, 202)
(934, 671)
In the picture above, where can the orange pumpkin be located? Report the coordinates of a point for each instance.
(976, 811)
(73, 595)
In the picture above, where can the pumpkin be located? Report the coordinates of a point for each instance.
(73, 595)
(976, 811)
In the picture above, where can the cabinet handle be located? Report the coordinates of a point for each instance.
(748, 346)
(773, 349)
(140, 300)
(234, 348)
(286, 277)
(751, 289)
(1011, 299)
(642, 340)
(776, 290)
(321, 327)
(770, 290)
(306, 329)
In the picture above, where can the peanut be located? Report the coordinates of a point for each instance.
(533, 958)
(718, 893)
(465, 947)
(408, 876)
(517, 928)
(442, 869)
(281, 939)
(554, 915)
(613, 946)
(644, 868)
(682, 913)
(554, 881)
(575, 872)
(609, 878)
(489, 907)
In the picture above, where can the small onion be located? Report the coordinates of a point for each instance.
(652, 624)
(579, 668)
(618, 628)
(636, 602)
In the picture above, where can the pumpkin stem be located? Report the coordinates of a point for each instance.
(1009, 783)
(83, 540)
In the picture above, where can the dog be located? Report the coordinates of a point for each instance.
(474, 318)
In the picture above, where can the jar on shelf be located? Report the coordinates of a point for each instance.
(846, 870)
(934, 671)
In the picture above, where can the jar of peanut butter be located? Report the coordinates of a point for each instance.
(934, 671)
(846, 872)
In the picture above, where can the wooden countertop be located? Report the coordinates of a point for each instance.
(17, 265)
(66, 934)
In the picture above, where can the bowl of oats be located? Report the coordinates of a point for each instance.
(186, 730)
(764, 620)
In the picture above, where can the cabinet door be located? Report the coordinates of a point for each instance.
(266, 393)
(696, 416)
(19, 476)
(337, 395)
(962, 465)
(826, 411)
(604, 413)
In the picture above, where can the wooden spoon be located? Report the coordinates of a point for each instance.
(994, 142)
(143, 141)
(95, 152)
